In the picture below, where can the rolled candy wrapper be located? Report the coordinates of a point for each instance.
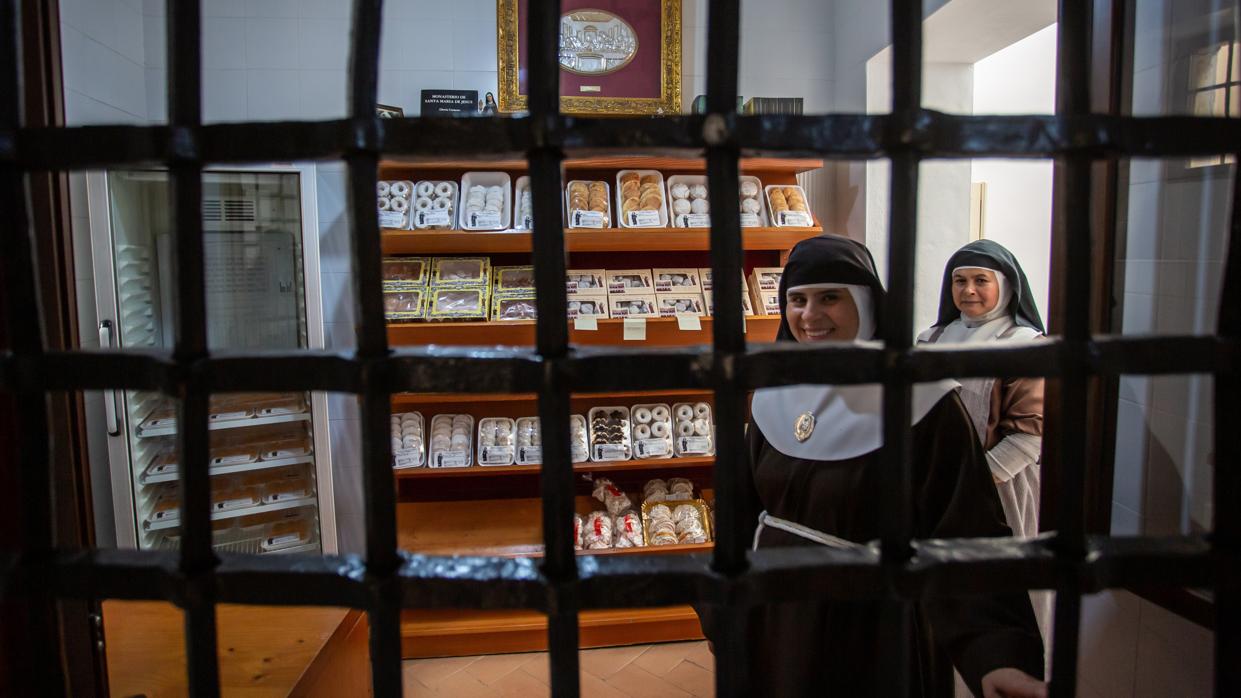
(628, 531)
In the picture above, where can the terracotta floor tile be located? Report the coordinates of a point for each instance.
(688, 676)
(640, 683)
(491, 668)
(463, 685)
(700, 655)
(659, 659)
(519, 684)
(412, 687)
(430, 672)
(595, 687)
(537, 666)
(609, 660)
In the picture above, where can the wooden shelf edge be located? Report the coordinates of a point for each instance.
(607, 162)
(659, 332)
(433, 242)
(425, 473)
(535, 552)
(414, 399)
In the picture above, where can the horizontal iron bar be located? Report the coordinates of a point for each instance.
(929, 133)
(939, 568)
(590, 369)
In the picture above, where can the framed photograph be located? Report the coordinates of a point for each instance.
(616, 56)
(384, 111)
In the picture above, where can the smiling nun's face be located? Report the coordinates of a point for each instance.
(975, 291)
(822, 315)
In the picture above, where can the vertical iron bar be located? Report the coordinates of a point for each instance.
(22, 335)
(896, 616)
(552, 341)
(378, 483)
(727, 266)
(1226, 538)
(184, 81)
(1071, 208)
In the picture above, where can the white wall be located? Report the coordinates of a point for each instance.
(1019, 79)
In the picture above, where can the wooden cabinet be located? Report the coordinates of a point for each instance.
(496, 510)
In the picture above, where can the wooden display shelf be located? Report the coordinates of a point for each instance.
(663, 332)
(403, 400)
(454, 633)
(603, 467)
(450, 242)
(390, 167)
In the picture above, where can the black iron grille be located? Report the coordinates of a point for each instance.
(561, 584)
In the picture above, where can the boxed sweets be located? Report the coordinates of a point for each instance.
(450, 441)
(587, 204)
(461, 272)
(687, 196)
(512, 281)
(704, 276)
(588, 305)
(513, 308)
(673, 304)
(678, 280)
(458, 304)
(708, 298)
(788, 206)
(395, 203)
(751, 191)
(405, 305)
(435, 205)
(766, 278)
(405, 273)
(767, 302)
(629, 281)
(485, 201)
(633, 306)
(640, 199)
(586, 282)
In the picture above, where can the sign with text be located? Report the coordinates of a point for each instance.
(449, 102)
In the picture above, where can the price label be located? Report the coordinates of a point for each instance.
(644, 219)
(232, 460)
(406, 458)
(695, 444)
(283, 540)
(610, 452)
(435, 216)
(286, 453)
(694, 220)
(452, 459)
(796, 218)
(484, 219)
(497, 455)
(652, 448)
(589, 219)
(750, 220)
(391, 219)
(530, 454)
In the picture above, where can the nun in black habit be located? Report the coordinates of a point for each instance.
(817, 480)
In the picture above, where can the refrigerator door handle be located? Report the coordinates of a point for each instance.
(109, 399)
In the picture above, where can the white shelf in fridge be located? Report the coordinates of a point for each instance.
(236, 513)
(147, 479)
(228, 424)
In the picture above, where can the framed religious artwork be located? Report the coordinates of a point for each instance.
(616, 56)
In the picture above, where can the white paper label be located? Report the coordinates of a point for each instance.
(635, 329)
(228, 504)
(286, 453)
(497, 455)
(644, 219)
(652, 448)
(530, 454)
(232, 460)
(688, 323)
(451, 459)
(527, 222)
(586, 323)
(750, 220)
(588, 219)
(391, 219)
(610, 452)
(694, 220)
(795, 218)
(484, 219)
(283, 540)
(406, 458)
(695, 444)
(435, 216)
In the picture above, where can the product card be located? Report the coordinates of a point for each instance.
(609, 452)
(644, 219)
(527, 222)
(530, 454)
(438, 216)
(688, 323)
(750, 220)
(695, 444)
(497, 455)
(283, 540)
(694, 220)
(796, 218)
(406, 458)
(391, 219)
(651, 448)
(233, 460)
(586, 323)
(588, 219)
(635, 329)
(451, 459)
(484, 219)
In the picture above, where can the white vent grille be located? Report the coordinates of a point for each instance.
(225, 214)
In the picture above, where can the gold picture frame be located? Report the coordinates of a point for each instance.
(668, 102)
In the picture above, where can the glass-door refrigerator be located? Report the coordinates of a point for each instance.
(269, 459)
